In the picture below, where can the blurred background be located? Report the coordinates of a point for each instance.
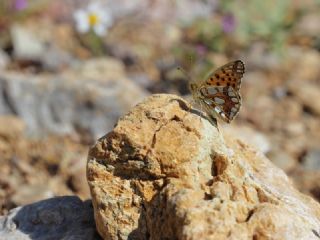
(70, 68)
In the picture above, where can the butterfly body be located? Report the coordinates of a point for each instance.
(219, 93)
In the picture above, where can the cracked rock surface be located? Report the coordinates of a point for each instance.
(165, 173)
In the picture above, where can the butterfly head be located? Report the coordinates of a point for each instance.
(193, 86)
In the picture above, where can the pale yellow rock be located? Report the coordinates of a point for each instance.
(163, 173)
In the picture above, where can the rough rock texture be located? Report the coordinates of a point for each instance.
(55, 218)
(163, 173)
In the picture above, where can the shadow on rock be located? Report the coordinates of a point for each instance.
(56, 218)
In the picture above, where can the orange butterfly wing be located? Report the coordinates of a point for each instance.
(229, 74)
(221, 91)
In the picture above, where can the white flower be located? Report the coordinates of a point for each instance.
(94, 17)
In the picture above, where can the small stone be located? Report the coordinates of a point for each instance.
(304, 70)
(311, 160)
(306, 93)
(282, 159)
(294, 128)
(56, 59)
(259, 57)
(26, 46)
(308, 25)
(27, 194)
(251, 110)
(307, 181)
(16, 129)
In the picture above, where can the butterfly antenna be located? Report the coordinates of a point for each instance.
(184, 72)
(191, 60)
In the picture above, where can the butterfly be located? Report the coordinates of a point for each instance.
(219, 94)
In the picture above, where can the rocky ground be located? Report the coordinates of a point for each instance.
(61, 90)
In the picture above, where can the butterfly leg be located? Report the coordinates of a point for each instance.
(201, 112)
(187, 106)
(192, 102)
(213, 121)
(212, 118)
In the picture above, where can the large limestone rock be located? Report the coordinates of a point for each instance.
(166, 173)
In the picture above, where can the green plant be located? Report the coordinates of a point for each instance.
(269, 21)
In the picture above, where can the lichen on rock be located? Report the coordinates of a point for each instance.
(164, 172)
